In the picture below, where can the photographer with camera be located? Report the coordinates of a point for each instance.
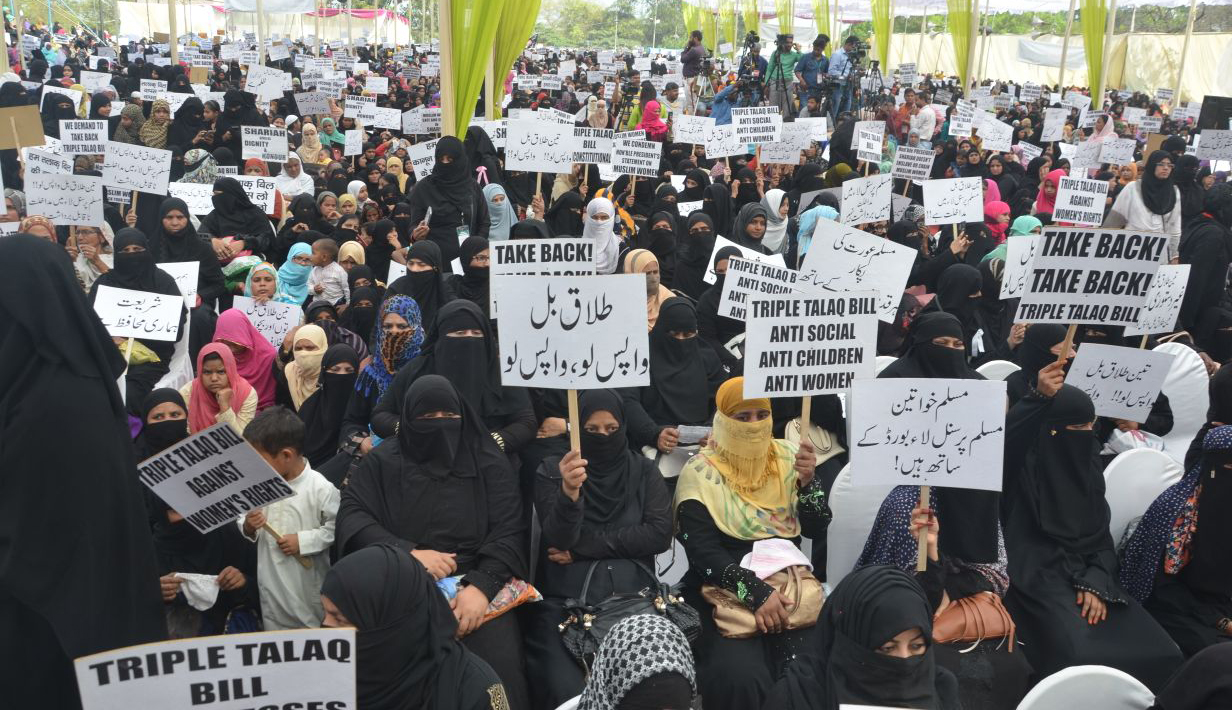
(691, 66)
(781, 75)
(811, 71)
(843, 75)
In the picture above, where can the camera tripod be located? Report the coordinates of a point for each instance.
(875, 84)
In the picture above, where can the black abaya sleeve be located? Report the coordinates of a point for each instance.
(518, 428)
(361, 510)
(358, 413)
(652, 536)
(210, 281)
(643, 430)
(702, 543)
(503, 552)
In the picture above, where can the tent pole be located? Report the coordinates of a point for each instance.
(1098, 94)
(1180, 67)
(974, 27)
(1069, 30)
(175, 49)
(919, 52)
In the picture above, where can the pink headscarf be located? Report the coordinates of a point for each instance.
(993, 210)
(202, 405)
(992, 193)
(257, 363)
(1044, 203)
(652, 123)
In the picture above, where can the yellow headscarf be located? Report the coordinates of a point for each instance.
(304, 372)
(637, 261)
(745, 477)
(395, 162)
(355, 250)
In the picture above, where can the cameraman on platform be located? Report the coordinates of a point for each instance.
(781, 75)
(842, 71)
(690, 66)
(811, 71)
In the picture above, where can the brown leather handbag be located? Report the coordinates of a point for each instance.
(974, 619)
(735, 620)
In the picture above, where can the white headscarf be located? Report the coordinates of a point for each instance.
(289, 186)
(603, 234)
(776, 227)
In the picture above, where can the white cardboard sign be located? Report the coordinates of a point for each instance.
(1123, 383)
(136, 167)
(268, 144)
(1080, 201)
(747, 278)
(66, 199)
(842, 259)
(1163, 301)
(953, 200)
(273, 319)
(867, 199)
(138, 314)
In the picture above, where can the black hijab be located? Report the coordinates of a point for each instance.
(452, 182)
(613, 473)
(716, 202)
(361, 319)
(426, 287)
(400, 215)
(234, 213)
(702, 180)
(407, 657)
(955, 288)
(530, 229)
(159, 436)
(56, 108)
(1159, 196)
(927, 359)
(747, 213)
(1185, 177)
(183, 245)
(678, 378)
(561, 218)
(136, 271)
(473, 284)
(693, 255)
(189, 120)
(322, 412)
(58, 367)
(747, 192)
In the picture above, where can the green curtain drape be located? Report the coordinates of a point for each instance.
(473, 24)
(960, 30)
(1093, 16)
(751, 14)
(710, 29)
(517, 22)
(784, 10)
(727, 24)
(821, 15)
(882, 27)
(692, 16)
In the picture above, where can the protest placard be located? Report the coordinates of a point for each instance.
(963, 119)
(1083, 275)
(953, 200)
(1028, 152)
(1080, 201)
(1054, 124)
(83, 137)
(799, 345)
(495, 131)
(540, 146)
(691, 129)
(1018, 253)
(1088, 118)
(95, 81)
(924, 431)
(423, 158)
(261, 191)
(39, 161)
(1133, 115)
(138, 314)
(912, 163)
(1151, 124)
(594, 145)
(1117, 151)
(273, 319)
(377, 84)
(151, 88)
(842, 259)
(136, 167)
(268, 144)
(746, 278)
(386, 117)
(575, 332)
(757, 124)
(997, 136)
(266, 82)
(634, 157)
(353, 142)
(1076, 99)
(721, 142)
(1215, 144)
(1085, 157)
(720, 242)
(198, 196)
(312, 103)
(212, 477)
(1162, 94)
(1163, 301)
(185, 274)
(1123, 383)
(1030, 92)
(867, 199)
(687, 208)
(303, 668)
(867, 139)
(359, 107)
(537, 257)
(66, 199)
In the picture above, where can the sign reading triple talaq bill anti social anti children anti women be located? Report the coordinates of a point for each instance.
(805, 345)
(757, 124)
(1091, 276)
(212, 477)
(575, 332)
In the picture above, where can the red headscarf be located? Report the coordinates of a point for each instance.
(992, 211)
(258, 163)
(1045, 203)
(256, 365)
(202, 405)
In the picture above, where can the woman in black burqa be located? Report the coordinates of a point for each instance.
(77, 572)
(407, 657)
(456, 200)
(874, 647)
(429, 288)
(443, 491)
(1064, 595)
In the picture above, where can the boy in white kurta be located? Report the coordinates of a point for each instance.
(290, 590)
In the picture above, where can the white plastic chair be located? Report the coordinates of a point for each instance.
(997, 369)
(1188, 390)
(882, 362)
(180, 372)
(1134, 480)
(855, 510)
(570, 704)
(673, 563)
(1089, 688)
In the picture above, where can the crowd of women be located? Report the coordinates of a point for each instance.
(444, 471)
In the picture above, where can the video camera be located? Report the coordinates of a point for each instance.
(858, 52)
(751, 38)
(783, 42)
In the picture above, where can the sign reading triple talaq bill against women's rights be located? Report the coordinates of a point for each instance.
(575, 332)
(1091, 276)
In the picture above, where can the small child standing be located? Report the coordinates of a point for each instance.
(328, 280)
(290, 590)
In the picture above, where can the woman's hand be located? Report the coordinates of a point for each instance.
(1050, 379)
(468, 608)
(669, 437)
(1093, 608)
(773, 614)
(224, 398)
(71, 248)
(536, 206)
(365, 445)
(735, 188)
(572, 474)
(551, 426)
(439, 564)
(392, 238)
(960, 245)
(923, 519)
(420, 231)
(1017, 332)
(560, 557)
(131, 218)
(806, 463)
(230, 578)
(170, 585)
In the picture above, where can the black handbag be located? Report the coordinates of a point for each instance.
(586, 625)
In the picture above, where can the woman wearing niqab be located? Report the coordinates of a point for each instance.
(58, 368)
(442, 485)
